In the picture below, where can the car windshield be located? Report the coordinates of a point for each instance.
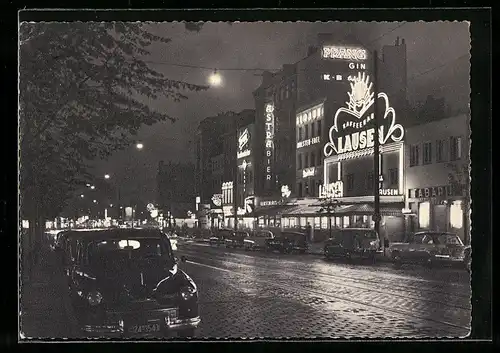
(449, 239)
(129, 249)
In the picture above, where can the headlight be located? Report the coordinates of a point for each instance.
(94, 298)
(248, 241)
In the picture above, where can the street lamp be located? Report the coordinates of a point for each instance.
(215, 79)
(107, 176)
(139, 146)
(92, 187)
(95, 201)
(82, 196)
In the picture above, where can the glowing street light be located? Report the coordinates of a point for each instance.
(92, 187)
(107, 176)
(88, 185)
(82, 196)
(95, 201)
(215, 79)
(139, 146)
(111, 205)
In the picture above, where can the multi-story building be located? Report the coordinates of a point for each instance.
(437, 176)
(176, 193)
(274, 142)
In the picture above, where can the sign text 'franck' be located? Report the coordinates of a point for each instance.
(269, 129)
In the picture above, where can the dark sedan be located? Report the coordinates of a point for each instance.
(288, 242)
(236, 239)
(126, 282)
(353, 243)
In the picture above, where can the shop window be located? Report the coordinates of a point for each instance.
(424, 211)
(324, 222)
(303, 221)
(393, 176)
(317, 222)
(427, 153)
(337, 221)
(350, 182)
(306, 131)
(414, 154)
(455, 148)
(440, 151)
(456, 214)
(319, 128)
(299, 161)
(346, 222)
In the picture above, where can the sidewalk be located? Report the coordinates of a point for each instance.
(44, 306)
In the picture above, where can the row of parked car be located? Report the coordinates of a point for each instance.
(428, 247)
(266, 240)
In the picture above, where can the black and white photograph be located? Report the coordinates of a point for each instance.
(184, 180)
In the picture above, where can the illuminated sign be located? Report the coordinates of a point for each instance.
(269, 131)
(217, 199)
(309, 142)
(269, 203)
(285, 191)
(335, 189)
(308, 172)
(356, 116)
(311, 114)
(343, 53)
(388, 192)
(329, 77)
(244, 141)
(436, 191)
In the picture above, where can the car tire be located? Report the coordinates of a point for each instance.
(396, 258)
(186, 333)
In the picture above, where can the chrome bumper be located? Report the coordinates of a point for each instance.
(119, 328)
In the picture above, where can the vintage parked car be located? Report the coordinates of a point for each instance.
(218, 238)
(353, 243)
(126, 282)
(287, 242)
(236, 239)
(429, 248)
(258, 240)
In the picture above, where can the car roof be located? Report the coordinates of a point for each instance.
(358, 229)
(433, 232)
(117, 233)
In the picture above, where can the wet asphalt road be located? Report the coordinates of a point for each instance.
(256, 294)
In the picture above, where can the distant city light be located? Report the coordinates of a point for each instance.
(95, 201)
(139, 146)
(111, 205)
(92, 187)
(107, 176)
(82, 196)
(88, 185)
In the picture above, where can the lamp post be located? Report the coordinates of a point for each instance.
(376, 151)
(329, 206)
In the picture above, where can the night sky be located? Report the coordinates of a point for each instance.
(440, 50)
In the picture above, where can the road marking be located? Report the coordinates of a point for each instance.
(349, 300)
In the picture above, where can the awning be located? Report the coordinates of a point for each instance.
(273, 210)
(385, 210)
(315, 210)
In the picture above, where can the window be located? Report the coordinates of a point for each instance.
(313, 159)
(456, 214)
(427, 153)
(369, 181)
(414, 154)
(306, 162)
(299, 162)
(299, 188)
(424, 211)
(440, 152)
(318, 162)
(287, 92)
(282, 93)
(299, 133)
(455, 148)
(350, 182)
(319, 127)
(306, 188)
(393, 176)
(307, 131)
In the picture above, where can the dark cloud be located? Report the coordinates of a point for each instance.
(269, 46)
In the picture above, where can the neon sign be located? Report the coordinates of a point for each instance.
(243, 144)
(356, 116)
(310, 114)
(217, 199)
(335, 189)
(343, 53)
(285, 191)
(309, 142)
(308, 172)
(269, 130)
(388, 192)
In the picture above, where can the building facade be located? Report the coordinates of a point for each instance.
(437, 176)
(274, 142)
